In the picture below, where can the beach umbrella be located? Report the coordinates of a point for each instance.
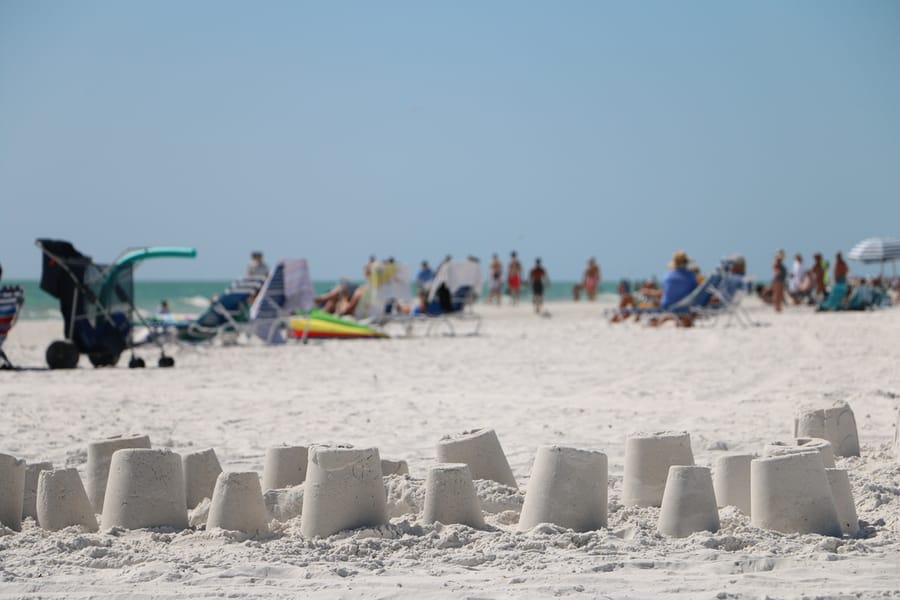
(876, 250)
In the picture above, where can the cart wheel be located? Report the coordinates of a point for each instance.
(166, 361)
(99, 359)
(62, 355)
(136, 362)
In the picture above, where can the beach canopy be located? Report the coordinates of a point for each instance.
(876, 250)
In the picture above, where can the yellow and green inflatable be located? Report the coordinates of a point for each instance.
(323, 325)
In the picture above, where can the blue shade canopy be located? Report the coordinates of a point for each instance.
(137, 255)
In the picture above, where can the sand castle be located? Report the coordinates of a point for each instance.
(842, 495)
(568, 487)
(343, 490)
(450, 496)
(201, 469)
(790, 493)
(801, 445)
(481, 450)
(731, 481)
(62, 501)
(237, 504)
(99, 455)
(792, 488)
(145, 489)
(31, 482)
(648, 457)
(689, 502)
(12, 491)
(835, 423)
(285, 466)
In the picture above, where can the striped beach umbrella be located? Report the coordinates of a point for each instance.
(876, 250)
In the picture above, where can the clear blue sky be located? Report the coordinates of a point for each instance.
(333, 130)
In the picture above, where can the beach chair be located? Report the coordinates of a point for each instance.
(287, 290)
(228, 314)
(728, 290)
(11, 300)
(97, 303)
(452, 296)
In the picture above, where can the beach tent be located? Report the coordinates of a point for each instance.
(877, 250)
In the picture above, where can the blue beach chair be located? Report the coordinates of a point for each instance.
(11, 300)
(229, 313)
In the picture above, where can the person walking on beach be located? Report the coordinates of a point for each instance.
(496, 281)
(514, 277)
(257, 267)
(539, 280)
(589, 282)
(779, 276)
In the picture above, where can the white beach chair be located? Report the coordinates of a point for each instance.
(288, 290)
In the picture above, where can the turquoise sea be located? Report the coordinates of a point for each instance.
(193, 296)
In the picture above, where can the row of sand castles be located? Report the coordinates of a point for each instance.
(793, 487)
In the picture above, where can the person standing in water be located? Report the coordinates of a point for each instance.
(514, 277)
(539, 280)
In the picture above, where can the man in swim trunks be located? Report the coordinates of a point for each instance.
(537, 277)
(514, 277)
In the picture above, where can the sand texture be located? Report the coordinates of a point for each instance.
(569, 379)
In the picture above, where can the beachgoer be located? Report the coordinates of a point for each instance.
(779, 277)
(798, 276)
(678, 282)
(818, 277)
(514, 277)
(495, 283)
(589, 281)
(626, 301)
(539, 281)
(367, 268)
(340, 298)
(424, 279)
(164, 308)
(840, 269)
(257, 266)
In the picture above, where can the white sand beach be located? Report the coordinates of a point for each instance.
(570, 379)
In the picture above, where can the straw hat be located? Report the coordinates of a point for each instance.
(680, 259)
(779, 255)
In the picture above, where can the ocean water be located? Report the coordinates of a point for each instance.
(192, 297)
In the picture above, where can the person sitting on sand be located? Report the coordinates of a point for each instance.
(626, 302)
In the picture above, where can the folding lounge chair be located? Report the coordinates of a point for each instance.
(690, 305)
(388, 289)
(228, 313)
(11, 300)
(452, 294)
(288, 289)
(729, 290)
